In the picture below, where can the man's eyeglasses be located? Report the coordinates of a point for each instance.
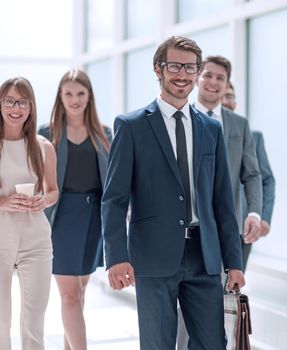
(10, 102)
(229, 97)
(175, 67)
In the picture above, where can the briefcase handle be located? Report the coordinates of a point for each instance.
(235, 290)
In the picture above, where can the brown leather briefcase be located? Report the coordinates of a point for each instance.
(237, 320)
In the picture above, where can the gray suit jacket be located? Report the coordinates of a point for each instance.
(268, 181)
(62, 157)
(242, 162)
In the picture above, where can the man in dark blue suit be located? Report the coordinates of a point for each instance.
(168, 162)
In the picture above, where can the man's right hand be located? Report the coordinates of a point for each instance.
(251, 229)
(121, 276)
(234, 277)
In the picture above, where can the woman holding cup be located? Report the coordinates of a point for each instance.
(27, 162)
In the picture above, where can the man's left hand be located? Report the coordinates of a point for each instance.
(265, 228)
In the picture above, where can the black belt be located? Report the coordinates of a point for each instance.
(192, 231)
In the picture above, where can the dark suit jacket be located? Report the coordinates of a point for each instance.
(62, 157)
(243, 164)
(143, 172)
(268, 181)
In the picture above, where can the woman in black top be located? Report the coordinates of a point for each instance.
(82, 146)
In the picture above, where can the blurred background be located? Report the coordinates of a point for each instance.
(114, 41)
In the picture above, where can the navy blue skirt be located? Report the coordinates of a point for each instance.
(76, 234)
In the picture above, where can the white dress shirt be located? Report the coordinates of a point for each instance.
(167, 112)
(216, 111)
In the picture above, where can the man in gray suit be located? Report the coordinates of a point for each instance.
(243, 166)
(242, 160)
(268, 181)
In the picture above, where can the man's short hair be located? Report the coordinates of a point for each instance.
(179, 43)
(219, 60)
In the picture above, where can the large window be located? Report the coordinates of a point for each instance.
(192, 9)
(215, 41)
(40, 28)
(101, 78)
(100, 24)
(141, 81)
(267, 96)
(36, 43)
(142, 17)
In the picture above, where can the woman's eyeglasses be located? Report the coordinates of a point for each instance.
(10, 102)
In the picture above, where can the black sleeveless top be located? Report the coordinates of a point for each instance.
(82, 172)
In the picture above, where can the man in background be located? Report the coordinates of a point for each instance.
(213, 81)
(268, 181)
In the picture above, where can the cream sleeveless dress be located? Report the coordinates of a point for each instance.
(25, 245)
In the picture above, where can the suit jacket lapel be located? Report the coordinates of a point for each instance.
(226, 125)
(62, 155)
(157, 123)
(197, 140)
(102, 161)
(62, 159)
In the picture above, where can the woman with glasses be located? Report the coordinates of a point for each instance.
(82, 145)
(25, 235)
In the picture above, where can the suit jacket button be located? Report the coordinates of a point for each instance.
(181, 198)
(181, 222)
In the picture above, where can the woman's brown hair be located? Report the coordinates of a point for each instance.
(91, 119)
(34, 156)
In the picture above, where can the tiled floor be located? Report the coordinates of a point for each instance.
(111, 317)
(111, 320)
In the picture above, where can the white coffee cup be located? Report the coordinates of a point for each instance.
(27, 188)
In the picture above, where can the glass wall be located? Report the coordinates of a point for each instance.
(36, 42)
(38, 28)
(99, 24)
(215, 41)
(142, 17)
(101, 77)
(141, 81)
(267, 95)
(192, 9)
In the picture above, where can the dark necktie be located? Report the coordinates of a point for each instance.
(182, 161)
(209, 113)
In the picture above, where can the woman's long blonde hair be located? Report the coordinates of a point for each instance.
(91, 119)
(34, 156)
